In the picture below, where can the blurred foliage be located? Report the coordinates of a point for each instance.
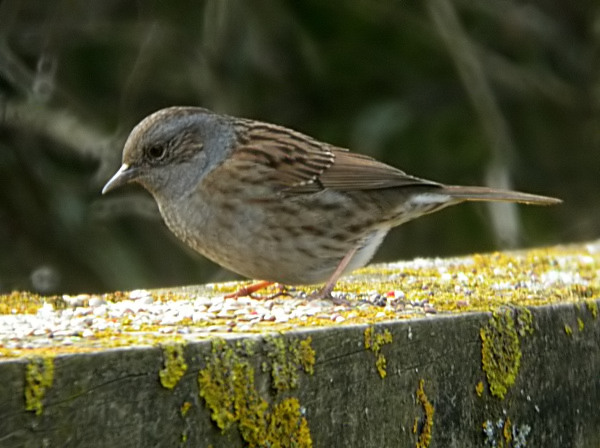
(456, 91)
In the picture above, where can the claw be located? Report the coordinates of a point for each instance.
(325, 294)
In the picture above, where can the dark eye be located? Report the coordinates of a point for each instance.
(155, 152)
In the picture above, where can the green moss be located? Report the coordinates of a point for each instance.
(501, 348)
(227, 386)
(428, 409)
(288, 428)
(568, 330)
(174, 365)
(286, 359)
(375, 342)
(580, 324)
(39, 376)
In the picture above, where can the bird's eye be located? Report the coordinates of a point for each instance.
(156, 152)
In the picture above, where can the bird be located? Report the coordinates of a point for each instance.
(270, 203)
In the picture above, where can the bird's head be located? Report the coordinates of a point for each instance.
(170, 150)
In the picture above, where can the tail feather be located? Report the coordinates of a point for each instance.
(493, 194)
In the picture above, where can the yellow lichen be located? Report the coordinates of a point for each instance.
(580, 324)
(592, 306)
(507, 431)
(250, 409)
(375, 342)
(8, 353)
(568, 330)
(288, 428)
(481, 282)
(523, 321)
(22, 302)
(185, 408)
(501, 348)
(39, 376)
(227, 386)
(225, 374)
(307, 355)
(428, 409)
(284, 375)
(246, 346)
(286, 359)
(479, 389)
(174, 365)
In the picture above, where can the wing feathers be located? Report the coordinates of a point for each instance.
(295, 163)
(352, 171)
(299, 164)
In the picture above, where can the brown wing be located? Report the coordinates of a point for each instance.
(352, 171)
(296, 163)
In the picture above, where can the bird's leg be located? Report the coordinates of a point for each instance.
(248, 290)
(325, 292)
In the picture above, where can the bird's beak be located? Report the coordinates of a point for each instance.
(125, 174)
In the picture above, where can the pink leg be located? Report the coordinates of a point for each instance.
(248, 290)
(325, 292)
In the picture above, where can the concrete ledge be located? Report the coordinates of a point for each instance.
(516, 376)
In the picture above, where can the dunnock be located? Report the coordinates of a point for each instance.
(271, 203)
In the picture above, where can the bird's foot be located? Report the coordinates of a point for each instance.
(250, 290)
(325, 293)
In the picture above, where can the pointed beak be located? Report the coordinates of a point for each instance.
(124, 175)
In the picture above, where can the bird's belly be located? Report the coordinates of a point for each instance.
(274, 243)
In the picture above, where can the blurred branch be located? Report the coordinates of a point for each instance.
(14, 71)
(504, 216)
(527, 80)
(39, 85)
(535, 25)
(525, 17)
(66, 129)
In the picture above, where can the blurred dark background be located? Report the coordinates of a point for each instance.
(503, 93)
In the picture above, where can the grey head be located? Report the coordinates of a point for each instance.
(169, 151)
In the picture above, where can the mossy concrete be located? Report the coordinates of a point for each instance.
(435, 392)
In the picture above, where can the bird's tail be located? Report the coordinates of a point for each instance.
(493, 194)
